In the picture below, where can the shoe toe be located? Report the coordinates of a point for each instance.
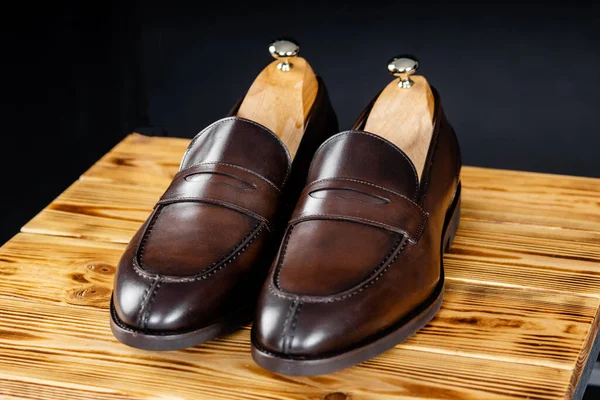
(147, 303)
(130, 290)
(286, 327)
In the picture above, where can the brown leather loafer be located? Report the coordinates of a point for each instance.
(360, 266)
(194, 269)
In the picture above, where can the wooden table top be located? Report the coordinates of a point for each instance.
(518, 321)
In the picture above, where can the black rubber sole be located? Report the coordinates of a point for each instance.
(406, 328)
(176, 341)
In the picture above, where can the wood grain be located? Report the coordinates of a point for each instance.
(554, 260)
(75, 346)
(520, 312)
(282, 100)
(160, 161)
(97, 210)
(12, 387)
(404, 116)
(527, 198)
(535, 327)
(59, 270)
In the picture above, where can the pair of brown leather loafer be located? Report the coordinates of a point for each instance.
(357, 236)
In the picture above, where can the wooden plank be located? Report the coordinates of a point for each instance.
(498, 323)
(476, 320)
(13, 388)
(59, 223)
(512, 255)
(140, 160)
(518, 320)
(97, 210)
(528, 198)
(74, 345)
(59, 270)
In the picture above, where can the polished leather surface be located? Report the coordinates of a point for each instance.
(362, 249)
(205, 250)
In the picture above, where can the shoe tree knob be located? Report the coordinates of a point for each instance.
(403, 67)
(283, 50)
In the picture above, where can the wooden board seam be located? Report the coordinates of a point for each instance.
(66, 385)
(521, 287)
(33, 232)
(479, 356)
(491, 221)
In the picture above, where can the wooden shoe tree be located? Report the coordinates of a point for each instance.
(403, 112)
(282, 95)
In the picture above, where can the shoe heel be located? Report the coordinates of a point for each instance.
(452, 220)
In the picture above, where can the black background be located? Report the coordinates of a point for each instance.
(519, 81)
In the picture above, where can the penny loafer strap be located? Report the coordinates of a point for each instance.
(361, 202)
(226, 185)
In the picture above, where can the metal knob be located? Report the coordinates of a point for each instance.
(403, 67)
(283, 50)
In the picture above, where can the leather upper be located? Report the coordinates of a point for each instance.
(212, 206)
(338, 202)
(206, 248)
(362, 248)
